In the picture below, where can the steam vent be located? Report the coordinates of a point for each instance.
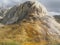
(29, 24)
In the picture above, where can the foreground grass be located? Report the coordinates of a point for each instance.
(19, 35)
(8, 43)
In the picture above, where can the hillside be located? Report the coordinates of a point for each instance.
(57, 18)
(29, 24)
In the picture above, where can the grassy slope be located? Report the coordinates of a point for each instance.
(19, 34)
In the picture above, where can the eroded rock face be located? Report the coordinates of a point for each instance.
(25, 9)
(30, 22)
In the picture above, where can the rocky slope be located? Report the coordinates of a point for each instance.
(29, 24)
(57, 18)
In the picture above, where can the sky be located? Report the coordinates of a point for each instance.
(51, 5)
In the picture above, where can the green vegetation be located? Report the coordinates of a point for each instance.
(8, 42)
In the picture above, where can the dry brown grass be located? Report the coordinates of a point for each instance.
(23, 33)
